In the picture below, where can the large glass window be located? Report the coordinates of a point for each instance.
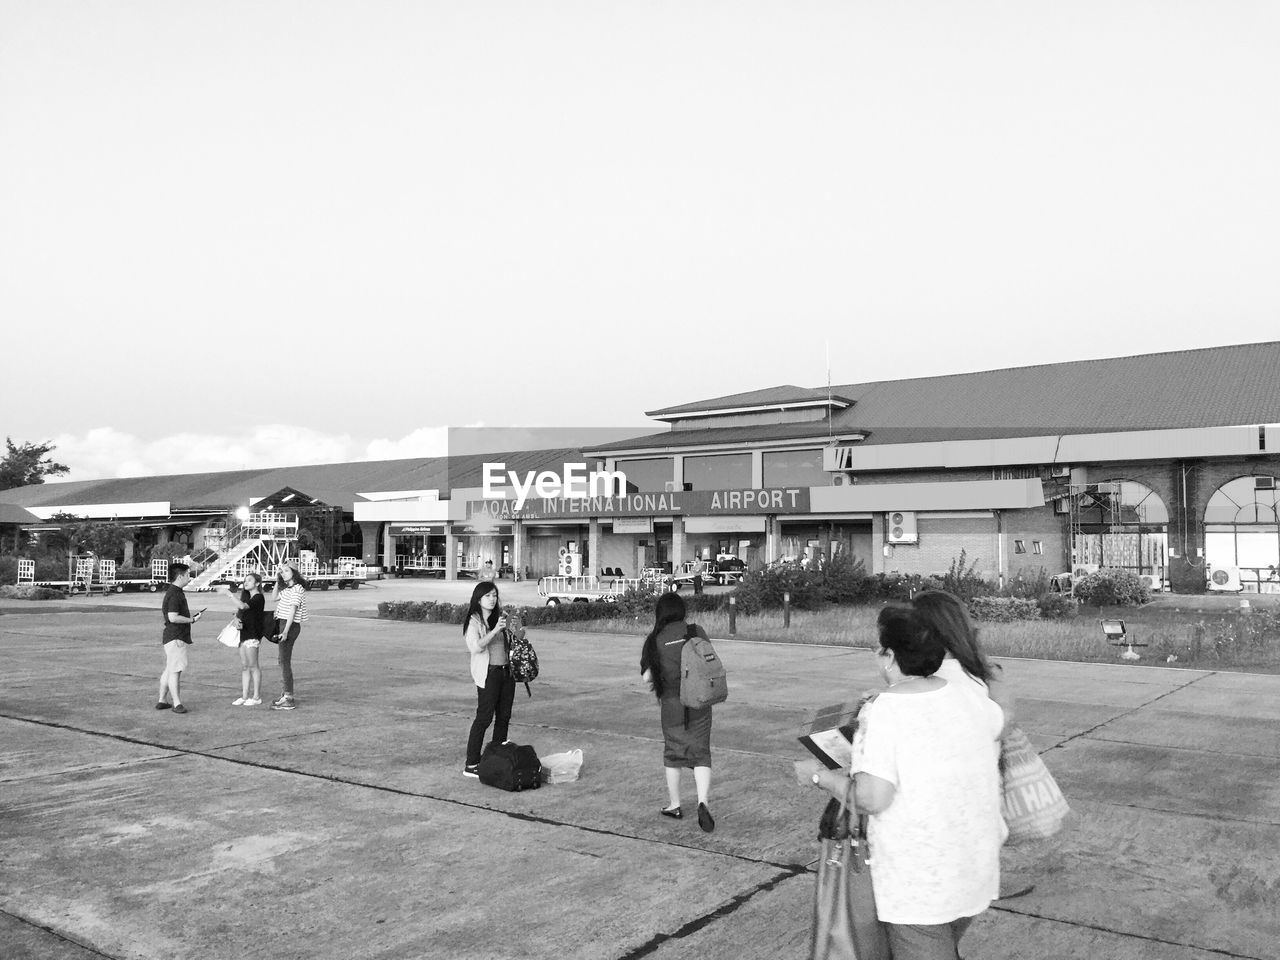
(728, 471)
(648, 476)
(1241, 531)
(1123, 525)
(795, 468)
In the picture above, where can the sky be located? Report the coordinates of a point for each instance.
(264, 233)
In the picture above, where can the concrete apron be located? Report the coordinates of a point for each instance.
(344, 829)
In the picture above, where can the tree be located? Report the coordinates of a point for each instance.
(27, 464)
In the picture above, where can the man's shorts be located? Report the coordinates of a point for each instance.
(175, 656)
(255, 643)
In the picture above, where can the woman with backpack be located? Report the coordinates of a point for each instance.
(485, 633)
(686, 731)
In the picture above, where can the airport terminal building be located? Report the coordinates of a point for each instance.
(1162, 464)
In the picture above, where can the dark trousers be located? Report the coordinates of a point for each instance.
(285, 658)
(493, 699)
(940, 941)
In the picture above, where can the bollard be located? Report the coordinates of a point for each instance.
(786, 611)
(733, 616)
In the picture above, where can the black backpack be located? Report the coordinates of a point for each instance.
(510, 766)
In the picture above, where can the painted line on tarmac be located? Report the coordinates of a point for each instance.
(724, 910)
(397, 791)
(1130, 712)
(59, 936)
(1145, 938)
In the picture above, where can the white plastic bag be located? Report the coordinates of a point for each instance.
(229, 636)
(561, 767)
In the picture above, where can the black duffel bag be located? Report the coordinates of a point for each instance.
(510, 766)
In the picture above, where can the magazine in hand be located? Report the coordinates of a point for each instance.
(831, 746)
(830, 735)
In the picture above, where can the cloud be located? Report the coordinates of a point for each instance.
(423, 442)
(107, 452)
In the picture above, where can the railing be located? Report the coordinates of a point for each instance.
(589, 586)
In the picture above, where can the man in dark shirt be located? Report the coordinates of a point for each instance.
(176, 637)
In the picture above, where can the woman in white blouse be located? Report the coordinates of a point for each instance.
(925, 770)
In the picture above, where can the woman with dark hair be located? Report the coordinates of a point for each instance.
(485, 633)
(945, 617)
(925, 771)
(252, 607)
(290, 615)
(686, 731)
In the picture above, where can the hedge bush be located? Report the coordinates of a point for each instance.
(1112, 588)
(30, 592)
(1003, 609)
(634, 605)
(1057, 606)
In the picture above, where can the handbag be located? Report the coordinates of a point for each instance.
(845, 924)
(1030, 800)
(229, 636)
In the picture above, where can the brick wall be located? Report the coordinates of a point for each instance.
(941, 540)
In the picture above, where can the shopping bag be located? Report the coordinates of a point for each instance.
(1030, 800)
(845, 924)
(561, 767)
(229, 636)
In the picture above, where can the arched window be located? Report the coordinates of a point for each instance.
(1121, 502)
(1241, 531)
(1122, 524)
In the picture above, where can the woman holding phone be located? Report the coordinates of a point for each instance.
(485, 633)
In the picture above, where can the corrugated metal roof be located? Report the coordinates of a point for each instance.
(769, 396)
(12, 513)
(1217, 386)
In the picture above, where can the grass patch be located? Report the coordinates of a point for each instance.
(1175, 637)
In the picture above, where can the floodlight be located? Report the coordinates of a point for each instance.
(242, 514)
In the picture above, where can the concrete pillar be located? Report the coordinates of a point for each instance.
(757, 469)
(450, 553)
(519, 548)
(879, 562)
(593, 547)
(677, 542)
(770, 538)
(369, 533)
(677, 471)
(128, 548)
(1186, 514)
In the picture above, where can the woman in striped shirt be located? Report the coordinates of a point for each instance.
(291, 614)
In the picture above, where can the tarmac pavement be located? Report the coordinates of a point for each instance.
(345, 829)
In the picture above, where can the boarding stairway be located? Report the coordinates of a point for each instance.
(258, 544)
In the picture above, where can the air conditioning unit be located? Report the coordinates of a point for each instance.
(1084, 569)
(842, 479)
(671, 486)
(1225, 580)
(1062, 506)
(901, 527)
(1153, 583)
(1060, 471)
(1264, 483)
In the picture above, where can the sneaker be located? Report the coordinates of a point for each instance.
(163, 706)
(280, 699)
(179, 708)
(239, 702)
(285, 705)
(253, 701)
(471, 770)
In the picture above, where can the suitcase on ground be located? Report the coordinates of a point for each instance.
(510, 766)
